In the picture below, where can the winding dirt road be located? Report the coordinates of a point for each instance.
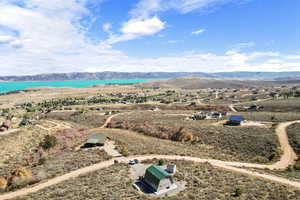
(288, 158)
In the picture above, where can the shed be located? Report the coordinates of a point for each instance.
(171, 169)
(95, 140)
(158, 179)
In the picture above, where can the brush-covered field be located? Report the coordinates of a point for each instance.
(249, 144)
(280, 105)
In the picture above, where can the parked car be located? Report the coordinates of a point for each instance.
(133, 162)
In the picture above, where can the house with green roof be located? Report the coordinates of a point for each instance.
(158, 179)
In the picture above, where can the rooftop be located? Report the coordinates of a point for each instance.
(95, 139)
(236, 118)
(155, 173)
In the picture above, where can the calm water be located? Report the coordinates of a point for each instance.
(12, 86)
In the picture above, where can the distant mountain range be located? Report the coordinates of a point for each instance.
(153, 75)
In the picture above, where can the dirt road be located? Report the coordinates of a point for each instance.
(288, 157)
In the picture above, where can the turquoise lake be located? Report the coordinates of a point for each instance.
(13, 86)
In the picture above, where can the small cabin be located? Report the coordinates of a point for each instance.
(235, 120)
(95, 141)
(158, 179)
(171, 169)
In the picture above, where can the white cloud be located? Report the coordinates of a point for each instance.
(198, 32)
(136, 28)
(107, 27)
(256, 55)
(143, 27)
(6, 39)
(292, 57)
(146, 8)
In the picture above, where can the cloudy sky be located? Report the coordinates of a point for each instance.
(45, 36)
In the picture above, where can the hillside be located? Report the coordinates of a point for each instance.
(203, 83)
(152, 75)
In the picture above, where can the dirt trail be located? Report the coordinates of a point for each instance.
(58, 125)
(232, 108)
(288, 158)
(108, 120)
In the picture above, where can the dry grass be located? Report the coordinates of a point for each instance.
(67, 161)
(294, 137)
(17, 147)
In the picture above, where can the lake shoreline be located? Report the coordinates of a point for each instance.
(7, 87)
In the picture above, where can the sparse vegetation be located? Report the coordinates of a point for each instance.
(90, 119)
(241, 143)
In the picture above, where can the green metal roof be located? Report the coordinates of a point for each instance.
(155, 173)
(95, 139)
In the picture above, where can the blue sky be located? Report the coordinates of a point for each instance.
(38, 36)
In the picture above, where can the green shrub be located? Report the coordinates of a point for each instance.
(49, 142)
(124, 151)
(33, 109)
(297, 165)
(237, 192)
(161, 162)
(42, 161)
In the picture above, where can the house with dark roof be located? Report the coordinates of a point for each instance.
(159, 180)
(95, 141)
